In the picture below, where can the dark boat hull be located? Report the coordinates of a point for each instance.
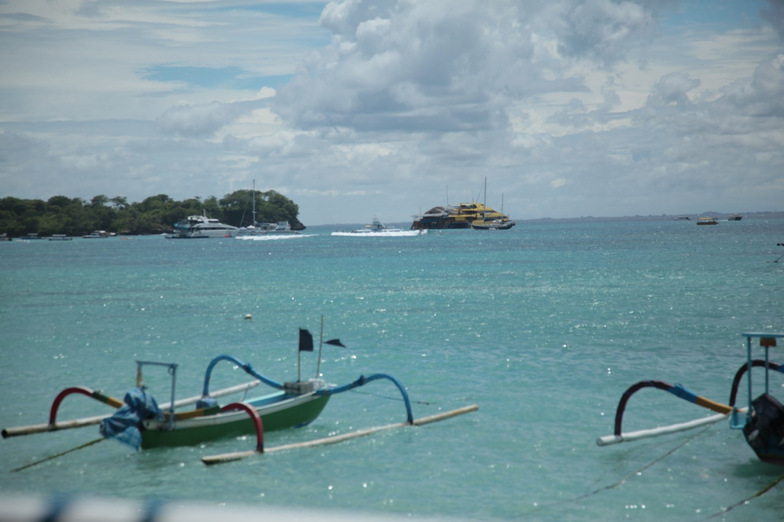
(764, 429)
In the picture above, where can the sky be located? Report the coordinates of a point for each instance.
(359, 109)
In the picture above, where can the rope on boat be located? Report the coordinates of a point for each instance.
(624, 479)
(645, 467)
(747, 499)
(362, 380)
(421, 403)
(81, 446)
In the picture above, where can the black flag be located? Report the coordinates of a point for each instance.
(335, 342)
(305, 341)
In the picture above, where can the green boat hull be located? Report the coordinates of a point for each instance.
(201, 430)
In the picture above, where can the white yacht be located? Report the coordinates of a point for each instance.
(199, 227)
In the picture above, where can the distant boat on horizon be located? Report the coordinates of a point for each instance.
(96, 234)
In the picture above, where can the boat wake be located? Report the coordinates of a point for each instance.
(378, 229)
(273, 237)
(390, 233)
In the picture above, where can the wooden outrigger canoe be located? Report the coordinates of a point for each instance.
(762, 420)
(141, 423)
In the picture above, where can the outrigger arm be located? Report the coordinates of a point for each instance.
(245, 366)
(364, 380)
(675, 389)
(723, 410)
(361, 381)
(679, 391)
(755, 363)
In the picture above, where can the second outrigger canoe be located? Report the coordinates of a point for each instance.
(761, 420)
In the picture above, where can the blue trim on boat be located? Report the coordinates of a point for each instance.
(245, 366)
(364, 380)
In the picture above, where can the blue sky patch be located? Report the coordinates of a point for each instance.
(721, 15)
(214, 77)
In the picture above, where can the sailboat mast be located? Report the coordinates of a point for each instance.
(254, 203)
(321, 338)
(484, 205)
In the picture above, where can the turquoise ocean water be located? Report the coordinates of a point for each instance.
(543, 326)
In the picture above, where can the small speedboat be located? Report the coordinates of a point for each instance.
(493, 224)
(378, 229)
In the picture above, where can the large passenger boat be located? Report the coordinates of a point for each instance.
(464, 215)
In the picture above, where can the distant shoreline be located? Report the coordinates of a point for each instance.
(721, 216)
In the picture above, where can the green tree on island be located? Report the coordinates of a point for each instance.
(155, 215)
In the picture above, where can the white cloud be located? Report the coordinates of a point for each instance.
(603, 29)
(592, 107)
(673, 89)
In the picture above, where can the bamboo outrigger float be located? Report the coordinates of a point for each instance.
(762, 424)
(228, 457)
(141, 423)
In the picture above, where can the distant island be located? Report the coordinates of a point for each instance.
(60, 215)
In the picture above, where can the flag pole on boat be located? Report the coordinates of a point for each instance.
(254, 204)
(299, 357)
(321, 339)
(333, 342)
